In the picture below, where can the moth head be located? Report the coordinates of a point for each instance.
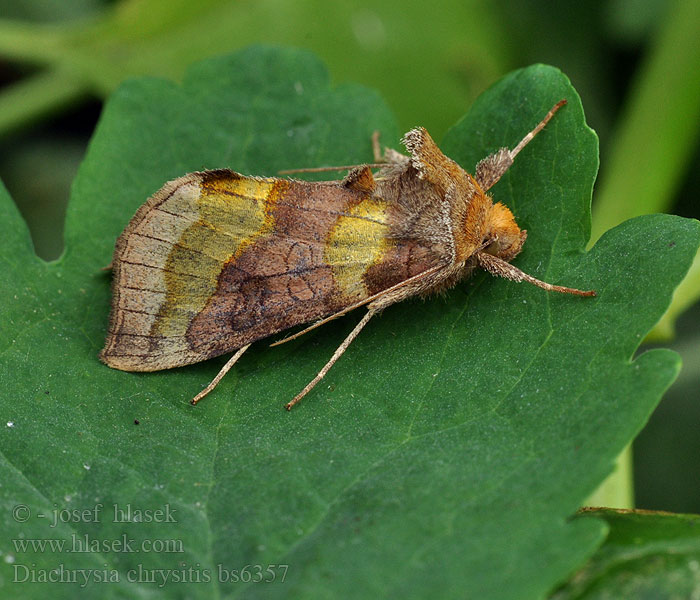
(504, 238)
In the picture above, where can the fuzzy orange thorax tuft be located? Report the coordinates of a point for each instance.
(507, 237)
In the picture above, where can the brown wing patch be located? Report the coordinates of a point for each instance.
(326, 237)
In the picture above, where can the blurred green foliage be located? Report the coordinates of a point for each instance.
(636, 64)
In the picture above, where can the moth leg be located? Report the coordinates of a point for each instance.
(376, 148)
(225, 369)
(374, 301)
(491, 168)
(323, 169)
(389, 157)
(336, 355)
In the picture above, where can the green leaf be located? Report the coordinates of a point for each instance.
(646, 555)
(443, 453)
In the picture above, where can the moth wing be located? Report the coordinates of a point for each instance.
(216, 260)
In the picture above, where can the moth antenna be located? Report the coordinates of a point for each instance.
(501, 268)
(491, 168)
(220, 375)
(540, 126)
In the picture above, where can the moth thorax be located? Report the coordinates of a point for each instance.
(507, 238)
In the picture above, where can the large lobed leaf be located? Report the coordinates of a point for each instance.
(444, 453)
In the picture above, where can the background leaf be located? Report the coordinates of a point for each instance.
(443, 453)
(646, 555)
(387, 40)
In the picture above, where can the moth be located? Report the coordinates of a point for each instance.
(216, 260)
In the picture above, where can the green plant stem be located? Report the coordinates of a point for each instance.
(658, 127)
(686, 295)
(647, 158)
(618, 489)
(35, 97)
(31, 42)
(657, 134)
